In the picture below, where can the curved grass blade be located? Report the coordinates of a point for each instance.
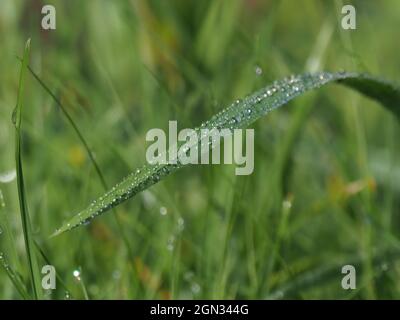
(26, 224)
(238, 115)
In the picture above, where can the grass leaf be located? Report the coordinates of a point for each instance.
(240, 114)
(26, 224)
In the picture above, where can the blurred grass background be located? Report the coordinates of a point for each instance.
(326, 185)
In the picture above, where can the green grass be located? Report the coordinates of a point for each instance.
(238, 115)
(324, 193)
(26, 223)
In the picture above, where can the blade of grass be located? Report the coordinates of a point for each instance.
(239, 115)
(26, 224)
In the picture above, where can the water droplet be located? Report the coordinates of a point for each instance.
(8, 176)
(4, 261)
(181, 224)
(163, 211)
(287, 204)
(67, 296)
(77, 275)
(258, 71)
(195, 287)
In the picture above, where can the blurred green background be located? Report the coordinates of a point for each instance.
(326, 185)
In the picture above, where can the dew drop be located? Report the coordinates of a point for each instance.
(258, 71)
(9, 176)
(3, 261)
(287, 204)
(77, 275)
(181, 224)
(163, 211)
(195, 287)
